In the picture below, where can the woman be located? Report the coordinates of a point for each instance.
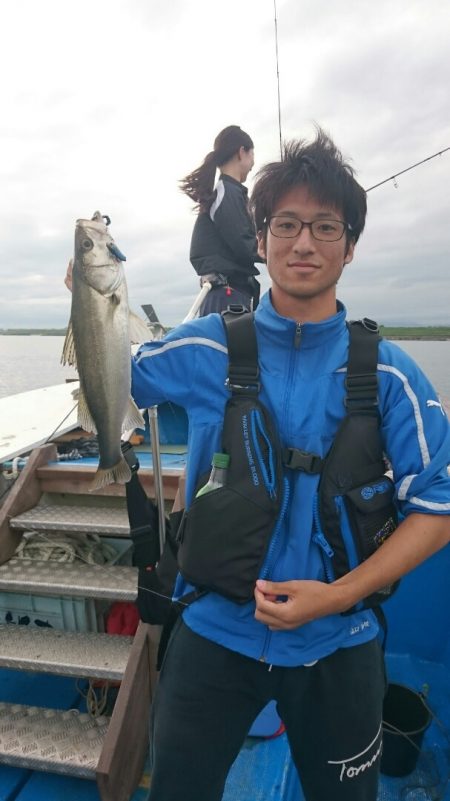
(223, 245)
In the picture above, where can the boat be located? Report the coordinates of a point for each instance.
(59, 743)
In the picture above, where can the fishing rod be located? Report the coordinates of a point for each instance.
(278, 76)
(60, 423)
(375, 186)
(393, 177)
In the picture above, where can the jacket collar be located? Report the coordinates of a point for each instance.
(229, 178)
(313, 335)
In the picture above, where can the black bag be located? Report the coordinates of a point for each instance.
(225, 533)
(157, 572)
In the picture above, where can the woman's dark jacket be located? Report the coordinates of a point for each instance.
(224, 239)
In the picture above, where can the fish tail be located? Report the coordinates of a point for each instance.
(120, 473)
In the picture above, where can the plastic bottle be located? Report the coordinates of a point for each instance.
(218, 477)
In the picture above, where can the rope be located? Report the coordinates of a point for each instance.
(14, 472)
(88, 548)
(96, 697)
(77, 448)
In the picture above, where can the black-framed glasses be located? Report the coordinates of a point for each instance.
(322, 230)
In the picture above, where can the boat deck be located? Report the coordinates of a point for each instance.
(418, 656)
(263, 771)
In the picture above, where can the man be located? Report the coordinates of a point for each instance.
(300, 642)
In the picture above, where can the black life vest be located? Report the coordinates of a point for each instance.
(223, 537)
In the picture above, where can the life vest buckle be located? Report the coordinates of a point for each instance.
(304, 461)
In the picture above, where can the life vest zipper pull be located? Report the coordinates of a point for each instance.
(298, 335)
(323, 543)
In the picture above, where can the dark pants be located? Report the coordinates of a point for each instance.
(208, 697)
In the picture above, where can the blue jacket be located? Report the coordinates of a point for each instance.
(302, 372)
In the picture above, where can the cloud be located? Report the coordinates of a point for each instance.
(110, 110)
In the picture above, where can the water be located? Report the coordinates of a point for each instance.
(434, 359)
(31, 362)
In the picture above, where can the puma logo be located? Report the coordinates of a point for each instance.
(436, 403)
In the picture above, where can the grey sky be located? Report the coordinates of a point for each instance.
(108, 105)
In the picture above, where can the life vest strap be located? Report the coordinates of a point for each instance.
(243, 366)
(362, 387)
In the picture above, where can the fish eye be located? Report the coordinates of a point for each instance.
(87, 244)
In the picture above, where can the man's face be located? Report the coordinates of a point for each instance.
(304, 271)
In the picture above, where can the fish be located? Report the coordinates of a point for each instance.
(98, 343)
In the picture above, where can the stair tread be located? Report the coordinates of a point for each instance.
(87, 519)
(111, 582)
(58, 741)
(65, 653)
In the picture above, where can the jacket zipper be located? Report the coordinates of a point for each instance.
(270, 561)
(286, 486)
(350, 547)
(320, 540)
(276, 534)
(297, 343)
(268, 471)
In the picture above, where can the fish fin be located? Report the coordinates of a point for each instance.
(133, 417)
(69, 355)
(84, 416)
(139, 332)
(120, 473)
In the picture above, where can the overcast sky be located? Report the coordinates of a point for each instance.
(107, 104)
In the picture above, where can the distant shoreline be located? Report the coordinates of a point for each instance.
(28, 332)
(414, 339)
(431, 333)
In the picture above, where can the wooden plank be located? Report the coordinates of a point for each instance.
(24, 494)
(76, 481)
(29, 419)
(125, 749)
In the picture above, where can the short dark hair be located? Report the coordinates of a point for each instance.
(320, 167)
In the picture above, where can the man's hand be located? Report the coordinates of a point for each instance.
(286, 605)
(68, 276)
(289, 604)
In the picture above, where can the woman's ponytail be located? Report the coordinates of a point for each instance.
(199, 184)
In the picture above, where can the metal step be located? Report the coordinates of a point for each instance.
(67, 742)
(87, 519)
(65, 653)
(112, 582)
